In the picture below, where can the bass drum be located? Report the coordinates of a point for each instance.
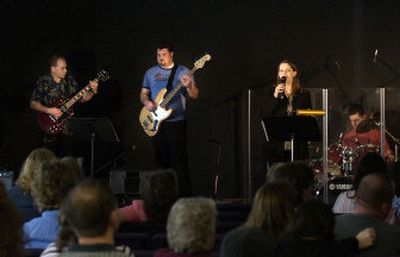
(335, 186)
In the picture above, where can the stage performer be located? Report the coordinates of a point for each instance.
(283, 99)
(364, 135)
(170, 141)
(48, 90)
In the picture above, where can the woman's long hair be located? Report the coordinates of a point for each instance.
(159, 194)
(272, 207)
(296, 80)
(11, 243)
(313, 219)
(30, 166)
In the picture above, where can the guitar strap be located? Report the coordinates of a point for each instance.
(171, 77)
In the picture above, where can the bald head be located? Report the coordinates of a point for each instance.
(375, 190)
(89, 206)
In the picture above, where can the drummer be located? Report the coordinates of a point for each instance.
(364, 132)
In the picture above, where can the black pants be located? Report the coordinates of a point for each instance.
(170, 150)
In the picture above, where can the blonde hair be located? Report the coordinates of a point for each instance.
(32, 163)
(191, 225)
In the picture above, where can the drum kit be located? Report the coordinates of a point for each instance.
(343, 159)
(342, 163)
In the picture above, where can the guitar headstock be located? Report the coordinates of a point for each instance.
(200, 62)
(102, 76)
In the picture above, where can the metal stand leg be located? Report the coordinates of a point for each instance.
(93, 135)
(292, 148)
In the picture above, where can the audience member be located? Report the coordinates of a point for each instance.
(20, 194)
(159, 193)
(91, 213)
(10, 227)
(73, 164)
(191, 228)
(66, 237)
(374, 198)
(50, 185)
(271, 209)
(298, 175)
(310, 232)
(395, 175)
(371, 163)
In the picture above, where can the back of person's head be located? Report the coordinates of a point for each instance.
(370, 163)
(313, 219)
(297, 175)
(31, 164)
(88, 208)
(160, 192)
(73, 165)
(375, 190)
(52, 182)
(191, 225)
(11, 243)
(395, 175)
(272, 208)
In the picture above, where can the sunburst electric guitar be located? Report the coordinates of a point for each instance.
(53, 125)
(151, 120)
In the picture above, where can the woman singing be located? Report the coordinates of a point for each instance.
(283, 99)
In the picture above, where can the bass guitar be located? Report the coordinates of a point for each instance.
(151, 120)
(53, 125)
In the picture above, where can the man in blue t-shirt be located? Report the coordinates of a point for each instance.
(170, 141)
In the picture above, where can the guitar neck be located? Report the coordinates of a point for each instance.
(76, 97)
(175, 90)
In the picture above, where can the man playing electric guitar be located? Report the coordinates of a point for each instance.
(48, 91)
(170, 141)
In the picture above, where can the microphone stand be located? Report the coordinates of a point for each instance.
(396, 72)
(114, 160)
(395, 140)
(387, 82)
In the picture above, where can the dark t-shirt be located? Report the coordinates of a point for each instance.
(387, 236)
(47, 91)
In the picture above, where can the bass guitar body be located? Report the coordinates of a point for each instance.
(151, 120)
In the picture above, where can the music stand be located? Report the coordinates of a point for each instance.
(291, 128)
(90, 130)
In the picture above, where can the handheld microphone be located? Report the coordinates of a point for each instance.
(375, 56)
(282, 80)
